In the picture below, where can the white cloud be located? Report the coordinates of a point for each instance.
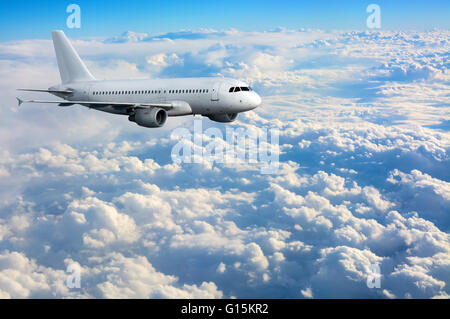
(363, 177)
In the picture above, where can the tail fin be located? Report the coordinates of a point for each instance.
(71, 68)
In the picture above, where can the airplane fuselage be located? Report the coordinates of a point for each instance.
(149, 102)
(205, 96)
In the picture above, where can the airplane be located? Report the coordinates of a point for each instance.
(146, 102)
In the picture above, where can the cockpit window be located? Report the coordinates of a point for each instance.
(238, 89)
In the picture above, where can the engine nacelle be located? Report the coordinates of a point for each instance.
(153, 117)
(223, 118)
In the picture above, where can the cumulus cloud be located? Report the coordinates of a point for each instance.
(363, 179)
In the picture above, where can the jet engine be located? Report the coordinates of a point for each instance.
(223, 118)
(152, 117)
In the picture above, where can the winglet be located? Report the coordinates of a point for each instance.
(19, 101)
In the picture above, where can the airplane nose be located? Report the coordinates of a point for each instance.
(257, 100)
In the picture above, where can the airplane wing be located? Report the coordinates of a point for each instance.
(93, 104)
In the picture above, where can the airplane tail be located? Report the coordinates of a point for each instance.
(71, 67)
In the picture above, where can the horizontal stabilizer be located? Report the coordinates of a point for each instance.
(47, 91)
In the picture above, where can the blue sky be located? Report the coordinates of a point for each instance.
(34, 19)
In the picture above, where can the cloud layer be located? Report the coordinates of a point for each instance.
(363, 179)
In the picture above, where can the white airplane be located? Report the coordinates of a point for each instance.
(148, 103)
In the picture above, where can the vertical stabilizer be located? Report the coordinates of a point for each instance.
(71, 68)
